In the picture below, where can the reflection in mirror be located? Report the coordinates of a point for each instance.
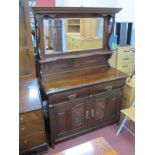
(72, 34)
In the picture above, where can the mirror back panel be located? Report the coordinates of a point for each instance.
(72, 34)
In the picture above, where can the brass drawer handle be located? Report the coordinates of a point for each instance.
(87, 114)
(92, 113)
(108, 88)
(72, 96)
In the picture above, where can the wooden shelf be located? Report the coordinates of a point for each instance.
(75, 55)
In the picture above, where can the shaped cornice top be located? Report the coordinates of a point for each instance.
(76, 11)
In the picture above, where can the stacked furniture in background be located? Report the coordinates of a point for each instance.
(81, 33)
(129, 93)
(123, 59)
(123, 30)
(77, 42)
(32, 136)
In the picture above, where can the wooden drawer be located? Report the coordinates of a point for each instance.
(125, 58)
(124, 51)
(107, 86)
(28, 129)
(127, 68)
(30, 116)
(31, 141)
(69, 95)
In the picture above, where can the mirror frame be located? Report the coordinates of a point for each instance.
(41, 13)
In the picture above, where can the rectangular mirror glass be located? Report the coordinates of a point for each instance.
(72, 34)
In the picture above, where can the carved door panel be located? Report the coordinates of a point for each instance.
(70, 117)
(98, 109)
(114, 104)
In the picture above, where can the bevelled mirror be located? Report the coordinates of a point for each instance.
(72, 34)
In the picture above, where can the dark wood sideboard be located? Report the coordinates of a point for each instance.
(32, 136)
(82, 91)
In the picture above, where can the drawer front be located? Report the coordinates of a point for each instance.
(31, 116)
(127, 68)
(69, 95)
(107, 86)
(125, 59)
(124, 53)
(124, 48)
(33, 127)
(31, 141)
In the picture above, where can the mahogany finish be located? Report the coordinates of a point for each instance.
(32, 137)
(29, 97)
(63, 81)
(82, 91)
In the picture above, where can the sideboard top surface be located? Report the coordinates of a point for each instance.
(80, 79)
(29, 96)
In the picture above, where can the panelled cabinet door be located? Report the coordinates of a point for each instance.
(70, 117)
(113, 105)
(98, 109)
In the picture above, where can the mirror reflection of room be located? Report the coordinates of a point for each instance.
(72, 34)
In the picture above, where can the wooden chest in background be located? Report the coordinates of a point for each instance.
(32, 137)
(77, 42)
(129, 93)
(123, 59)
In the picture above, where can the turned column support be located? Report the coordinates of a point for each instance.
(108, 29)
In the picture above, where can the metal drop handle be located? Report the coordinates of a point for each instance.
(108, 88)
(72, 96)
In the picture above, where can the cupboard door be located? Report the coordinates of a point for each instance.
(70, 117)
(98, 109)
(114, 105)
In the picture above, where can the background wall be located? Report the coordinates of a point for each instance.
(86, 3)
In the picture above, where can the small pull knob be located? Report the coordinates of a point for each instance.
(21, 119)
(92, 113)
(87, 114)
(25, 141)
(23, 129)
